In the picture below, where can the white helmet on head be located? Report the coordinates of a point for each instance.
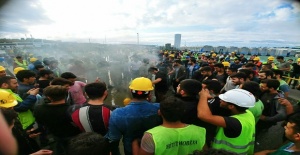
(239, 97)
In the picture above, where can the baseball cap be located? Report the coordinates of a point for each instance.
(239, 97)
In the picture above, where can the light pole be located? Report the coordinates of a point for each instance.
(138, 39)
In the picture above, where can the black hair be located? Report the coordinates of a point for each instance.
(267, 72)
(172, 109)
(177, 61)
(9, 115)
(68, 75)
(252, 87)
(277, 72)
(280, 57)
(18, 57)
(5, 79)
(45, 72)
(247, 72)
(232, 69)
(61, 82)
(151, 69)
(271, 83)
(191, 87)
(205, 69)
(95, 90)
(219, 65)
(25, 74)
(55, 92)
(250, 65)
(38, 66)
(239, 75)
(213, 85)
(269, 66)
(89, 143)
(295, 118)
(193, 59)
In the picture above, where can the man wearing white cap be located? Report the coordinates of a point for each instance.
(235, 133)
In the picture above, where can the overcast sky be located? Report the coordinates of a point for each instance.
(201, 22)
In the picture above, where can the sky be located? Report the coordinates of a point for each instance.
(253, 23)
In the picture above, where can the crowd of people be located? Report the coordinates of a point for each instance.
(182, 103)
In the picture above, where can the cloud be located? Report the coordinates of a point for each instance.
(156, 21)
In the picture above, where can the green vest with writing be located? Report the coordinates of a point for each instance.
(179, 141)
(26, 118)
(244, 143)
(23, 64)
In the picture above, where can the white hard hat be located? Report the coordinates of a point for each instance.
(239, 97)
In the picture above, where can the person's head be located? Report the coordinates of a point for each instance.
(26, 76)
(53, 64)
(153, 70)
(177, 62)
(252, 87)
(89, 143)
(55, 93)
(269, 85)
(206, 71)
(39, 67)
(250, 61)
(213, 86)
(69, 76)
(219, 67)
(249, 66)
(46, 74)
(171, 109)
(238, 78)
(2, 71)
(189, 87)
(292, 128)
(266, 66)
(277, 73)
(231, 71)
(237, 60)
(249, 73)
(8, 82)
(9, 115)
(17, 69)
(265, 74)
(280, 58)
(96, 90)
(271, 59)
(19, 58)
(290, 60)
(62, 82)
(140, 88)
(237, 99)
(192, 61)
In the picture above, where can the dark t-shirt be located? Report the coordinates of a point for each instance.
(233, 127)
(163, 84)
(296, 68)
(43, 84)
(56, 118)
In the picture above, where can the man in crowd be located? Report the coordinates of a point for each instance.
(178, 73)
(132, 121)
(2, 71)
(235, 133)
(26, 80)
(164, 139)
(229, 84)
(238, 79)
(160, 82)
(191, 68)
(76, 89)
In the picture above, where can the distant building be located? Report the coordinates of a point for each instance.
(168, 46)
(177, 41)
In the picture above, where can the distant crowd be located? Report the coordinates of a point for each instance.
(181, 103)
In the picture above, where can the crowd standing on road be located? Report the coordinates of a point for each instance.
(183, 103)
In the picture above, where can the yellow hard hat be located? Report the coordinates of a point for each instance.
(271, 58)
(226, 64)
(256, 59)
(126, 101)
(17, 69)
(172, 55)
(33, 59)
(298, 59)
(7, 100)
(2, 68)
(141, 84)
(214, 55)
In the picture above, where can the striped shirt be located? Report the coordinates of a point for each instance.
(92, 118)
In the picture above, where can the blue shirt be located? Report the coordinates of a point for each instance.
(131, 122)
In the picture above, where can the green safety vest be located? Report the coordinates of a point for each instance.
(178, 140)
(244, 143)
(184, 54)
(24, 64)
(26, 118)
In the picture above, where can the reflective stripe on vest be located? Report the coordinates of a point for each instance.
(244, 143)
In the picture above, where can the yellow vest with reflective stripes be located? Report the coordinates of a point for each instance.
(244, 143)
(23, 64)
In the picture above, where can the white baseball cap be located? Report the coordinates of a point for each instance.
(239, 97)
